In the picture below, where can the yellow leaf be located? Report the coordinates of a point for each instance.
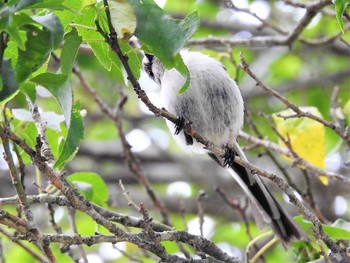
(307, 137)
(123, 18)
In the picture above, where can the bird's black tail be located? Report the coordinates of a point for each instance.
(282, 223)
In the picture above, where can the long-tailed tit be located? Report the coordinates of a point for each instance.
(214, 105)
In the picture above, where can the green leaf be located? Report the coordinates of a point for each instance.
(182, 68)
(29, 90)
(67, 16)
(52, 24)
(37, 50)
(162, 35)
(8, 85)
(49, 4)
(133, 58)
(54, 139)
(60, 87)
(4, 11)
(28, 132)
(11, 23)
(104, 54)
(340, 6)
(88, 2)
(86, 25)
(75, 135)
(11, 52)
(341, 223)
(23, 19)
(72, 42)
(23, 4)
(336, 232)
(94, 188)
(339, 229)
(12, 29)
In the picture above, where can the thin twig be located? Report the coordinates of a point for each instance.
(113, 216)
(73, 226)
(41, 128)
(16, 182)
(310, 198)
(235, 204)
(270, 154)
(230, 4)
(201, 196)
(134, 163)
(150, 232)
(296, 159)
(344, 134)
(300, 161)
(113, 41)
(182, 236)
(335, 111)
(283, 185)
(312, 8)
(334, 106)
(25, 247)
(26, 228)
(127, 196)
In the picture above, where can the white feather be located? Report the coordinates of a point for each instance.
(212, 102)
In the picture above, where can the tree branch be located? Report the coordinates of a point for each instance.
(343, 134)
(113, 41)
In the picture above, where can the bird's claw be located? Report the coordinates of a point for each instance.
(179, 125)
(229, 157)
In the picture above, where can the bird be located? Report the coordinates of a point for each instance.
(214, 106)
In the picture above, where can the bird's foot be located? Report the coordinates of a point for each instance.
(229, 156)
(179, 125)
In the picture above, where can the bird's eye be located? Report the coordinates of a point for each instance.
(148, 64)
(148, 69)
(149, 57)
